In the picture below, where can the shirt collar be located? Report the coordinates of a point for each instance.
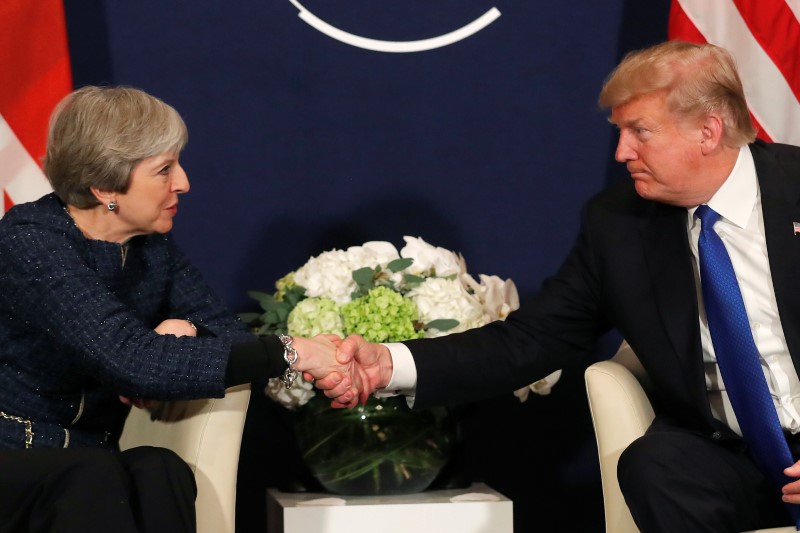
(737, 196)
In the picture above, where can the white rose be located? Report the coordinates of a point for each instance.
(440, 298)
(374, 253)
(430, 259)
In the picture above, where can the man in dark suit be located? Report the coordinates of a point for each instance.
(686, 138)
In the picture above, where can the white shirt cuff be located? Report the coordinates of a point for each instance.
(404, 372)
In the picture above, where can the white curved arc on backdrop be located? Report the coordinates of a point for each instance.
(378, 45)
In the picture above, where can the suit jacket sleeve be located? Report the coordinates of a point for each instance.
(556, 328)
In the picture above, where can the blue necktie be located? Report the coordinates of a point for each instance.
(738, 359)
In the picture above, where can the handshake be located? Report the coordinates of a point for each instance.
(346, 370)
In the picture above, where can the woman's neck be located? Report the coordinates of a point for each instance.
(97, 224)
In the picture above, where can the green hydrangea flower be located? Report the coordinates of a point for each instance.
(381, 316)
(313, 316)
(284, 284)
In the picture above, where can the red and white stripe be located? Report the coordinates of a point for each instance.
(34, 76)
(764, 37)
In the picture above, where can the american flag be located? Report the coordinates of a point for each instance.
(34, 76)
(764, 38)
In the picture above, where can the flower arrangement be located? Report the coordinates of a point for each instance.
(384, 295)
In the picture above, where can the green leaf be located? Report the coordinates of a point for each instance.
(364, 276)
(261, 297)
(365, 279)
(294, 295)
(412, 281)
(282, 313)
(442, 324)
(400, 264)
(248, 318)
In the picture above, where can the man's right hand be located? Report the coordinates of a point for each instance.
(373, 370)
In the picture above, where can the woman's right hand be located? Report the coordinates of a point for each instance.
(171, 326)
(176, 326)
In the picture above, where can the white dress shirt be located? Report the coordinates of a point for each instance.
(741, 228)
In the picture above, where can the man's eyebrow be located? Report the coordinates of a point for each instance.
(633, 122)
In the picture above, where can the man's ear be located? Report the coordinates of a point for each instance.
(711, 131)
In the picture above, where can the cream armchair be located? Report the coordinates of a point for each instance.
(207, 434)
(621, 412)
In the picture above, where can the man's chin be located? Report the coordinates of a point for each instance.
(643, 189)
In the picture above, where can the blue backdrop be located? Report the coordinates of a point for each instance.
(300, 142)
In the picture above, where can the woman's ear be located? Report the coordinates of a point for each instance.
(104, 196)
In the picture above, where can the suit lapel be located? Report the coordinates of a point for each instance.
(780, 193)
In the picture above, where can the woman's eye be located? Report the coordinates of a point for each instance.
(164, 171)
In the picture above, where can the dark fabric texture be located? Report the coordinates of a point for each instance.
(141, 490)
(260, 358)
(76, 329)
(678, 480)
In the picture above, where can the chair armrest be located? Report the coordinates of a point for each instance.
(207, 434)
(621, 413)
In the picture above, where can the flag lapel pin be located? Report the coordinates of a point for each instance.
(796, 227)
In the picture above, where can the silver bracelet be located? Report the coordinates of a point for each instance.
(290, 356)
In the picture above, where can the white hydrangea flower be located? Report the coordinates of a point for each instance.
(429, 259)
(330, 274)
(300, 393)
(440, 298)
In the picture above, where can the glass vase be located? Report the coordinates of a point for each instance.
(379, 448)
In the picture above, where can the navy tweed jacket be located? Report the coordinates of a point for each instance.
(76, 329)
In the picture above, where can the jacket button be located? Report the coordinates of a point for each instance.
(716, 435)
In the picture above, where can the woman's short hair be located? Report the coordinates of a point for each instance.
(698, 79)
(99, 134)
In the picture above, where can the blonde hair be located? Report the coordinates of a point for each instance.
(98, 135)
(697, 79)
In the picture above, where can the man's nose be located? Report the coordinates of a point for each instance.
(624, 151)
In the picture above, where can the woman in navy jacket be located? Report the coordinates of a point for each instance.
(97, 303)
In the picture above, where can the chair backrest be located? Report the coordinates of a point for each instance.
(207, 434)
(621, 412)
